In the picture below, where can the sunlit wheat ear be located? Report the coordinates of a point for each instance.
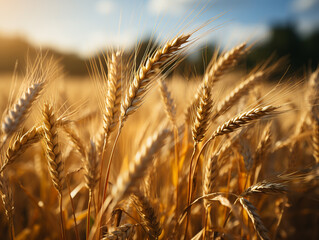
(202, 114)
(241, 90)
(148, 216)
(213, 74)
(137, 169)
(20, 144)
(91, 168)
(113, 97)
(145, 75)
(243, 119)
(225, 62)
(6, 196)
(20, 110)
(53, 152)
(168, 101)
(255, 218)
(125, 231)
(265, 187)
(37, 77)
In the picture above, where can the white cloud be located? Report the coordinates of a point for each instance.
(105, 7)
(100, 40)
(303, 5)
(235, 33)
(172, 7)
(306, 26)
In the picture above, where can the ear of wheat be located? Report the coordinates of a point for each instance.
(147, 214)
(255, 218)
(53, 153)
(143, 79)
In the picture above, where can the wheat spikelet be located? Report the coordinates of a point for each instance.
(314, 102)
(265, 187)
(53, 154)
(143, 79)
(147, 213)
(313, 94)
(226, 61)
(122, 232)
(210, 175)
(255, 218)
(241, 90)
(20, 110)
(315, 141)
(6, 196)
(20, 144)
(76, 140)
(169, 103)
(214, 73)
(113, 98)
(137, 169)
(263, 145)
(202, 112)
(91, 168)
(243, 119)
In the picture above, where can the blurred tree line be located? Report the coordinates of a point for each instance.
(284, 40)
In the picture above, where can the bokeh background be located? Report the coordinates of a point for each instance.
(77, 30)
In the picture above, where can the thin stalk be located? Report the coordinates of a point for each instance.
(205, 222)
(176, 167)
(189, 188)
(88, 215)
(73, 213)
(61, 218)
(12, 230)
(101, 171)
(110, 160)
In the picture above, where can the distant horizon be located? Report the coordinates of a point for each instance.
(83, 27)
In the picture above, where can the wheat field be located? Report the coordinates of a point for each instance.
(139, 154)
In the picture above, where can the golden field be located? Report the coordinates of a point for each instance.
(226, 155)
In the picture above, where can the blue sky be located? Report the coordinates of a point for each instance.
(85, 26)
